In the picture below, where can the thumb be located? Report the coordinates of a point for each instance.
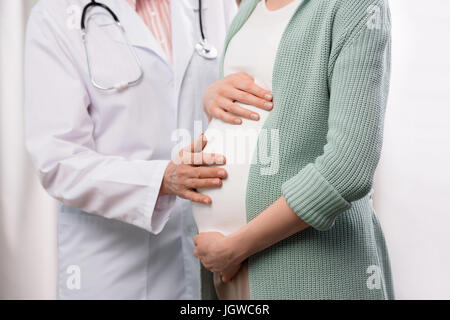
(199, 144)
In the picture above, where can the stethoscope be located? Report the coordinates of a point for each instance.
(203, 47)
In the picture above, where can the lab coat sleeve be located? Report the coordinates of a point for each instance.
(59, 133)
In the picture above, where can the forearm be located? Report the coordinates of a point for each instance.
(275, 224)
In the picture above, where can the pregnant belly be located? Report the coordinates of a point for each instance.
(227, 213)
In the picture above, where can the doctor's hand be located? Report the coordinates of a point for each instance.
(220, 97)
(190, 170)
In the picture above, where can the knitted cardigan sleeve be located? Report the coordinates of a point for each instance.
(359, 82)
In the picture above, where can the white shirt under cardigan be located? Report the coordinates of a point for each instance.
(252, 50)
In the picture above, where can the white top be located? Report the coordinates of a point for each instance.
(252, 50)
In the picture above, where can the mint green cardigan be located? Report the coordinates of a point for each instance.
(330, 85)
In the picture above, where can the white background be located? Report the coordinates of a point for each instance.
(413, 180)
(412, 189)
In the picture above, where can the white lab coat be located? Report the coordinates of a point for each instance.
(103, 155)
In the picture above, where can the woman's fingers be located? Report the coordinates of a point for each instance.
(196, 239)
(236, 109)
(243, 96)
(228, 274)
(246, 83)
(218, 112)
(196, 252)
(207, 266)
(219, 98)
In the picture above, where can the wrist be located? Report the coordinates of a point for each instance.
(239, 250)
(164, 189)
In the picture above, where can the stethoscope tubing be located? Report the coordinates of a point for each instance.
(94, 3)
(200, 19)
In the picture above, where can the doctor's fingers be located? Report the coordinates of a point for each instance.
(196, 146)
(204, 183)
(207, 173)
(195, 196)
(202, 159)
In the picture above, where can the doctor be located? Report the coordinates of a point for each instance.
(102, 121)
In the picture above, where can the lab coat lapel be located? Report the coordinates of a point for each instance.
(137, 32)
(184, 35)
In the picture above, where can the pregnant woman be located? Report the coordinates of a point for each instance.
(294, 219)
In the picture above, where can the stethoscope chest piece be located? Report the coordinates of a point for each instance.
(205, 50)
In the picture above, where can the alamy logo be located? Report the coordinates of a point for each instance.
(374, 280)
(240, 146)
(74, 277)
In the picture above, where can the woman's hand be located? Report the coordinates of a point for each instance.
(229, 273)
(218, 254)
(219, 99)
(190, 170)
